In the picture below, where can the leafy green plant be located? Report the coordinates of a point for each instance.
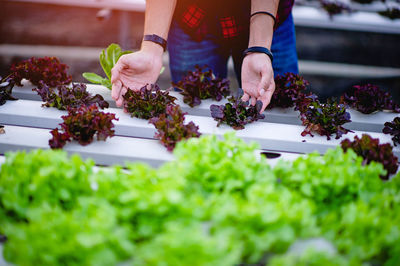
(108, 58)
(87, 235)
(332, 180)
(82, 124)
(201, 84)
(310, 257)
(51, 216)
(38, 178)
(371, 151)
(217, 203)
(241, 196)
(171, 128)
(148, 102)
(356, 210)
(62, 97)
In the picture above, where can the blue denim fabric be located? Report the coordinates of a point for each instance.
(185, 53)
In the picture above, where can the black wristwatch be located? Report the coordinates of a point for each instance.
(156, 39)
(259, 49)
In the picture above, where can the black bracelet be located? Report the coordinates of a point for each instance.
(259, 49)
(265, 13)
(156, 39)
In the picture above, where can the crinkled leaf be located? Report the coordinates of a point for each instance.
(288, 90)
(171, 128)
(83, 124)
(6, 86)
(148, 102)
(236, 113)
(46, 70)
(368, 99)
(393, 128)
(64, 96)
(325, 118)
(370, 149)
(200, 84)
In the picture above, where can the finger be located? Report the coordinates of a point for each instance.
(266, 99)
(245, 97)
(264, 82)
(253, 101)
(120, 100)
(118, 67)
(115, 71)
(116, 89)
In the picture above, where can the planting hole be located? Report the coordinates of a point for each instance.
(271, 155)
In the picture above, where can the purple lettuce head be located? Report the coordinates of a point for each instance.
(370, 149)
(368, 99)
(83, 124)
(148, 102)
(171, 128)
(47, 70)
(288, 89)
(63, 97)
(236, 113)
(325, 119)
(6, 86)
(393, 128)
(200, 84)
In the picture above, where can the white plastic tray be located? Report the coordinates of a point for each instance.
(372, 122)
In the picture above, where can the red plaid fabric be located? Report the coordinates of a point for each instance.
(225, 19)
(229, 27)
(193, 16)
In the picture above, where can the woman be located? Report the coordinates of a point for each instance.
(207, 33)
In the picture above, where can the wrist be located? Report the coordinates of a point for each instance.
(153, 48)
(258, 50)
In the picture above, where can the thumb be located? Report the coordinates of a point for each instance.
(264, 82)
(115, 71)
(122, 63)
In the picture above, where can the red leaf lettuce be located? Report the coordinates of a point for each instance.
(147, 102)
(368, 99)
(370, 149)
(236, 113)
(171, 128)
(62, 96)
(82, 124)
(393, 128)
(199, 85)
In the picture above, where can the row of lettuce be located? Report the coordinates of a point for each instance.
(217, 203)
(161, 109)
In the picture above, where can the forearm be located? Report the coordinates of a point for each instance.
(262, 26)
(158, 18)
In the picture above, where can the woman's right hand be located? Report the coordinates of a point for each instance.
(135, 70)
